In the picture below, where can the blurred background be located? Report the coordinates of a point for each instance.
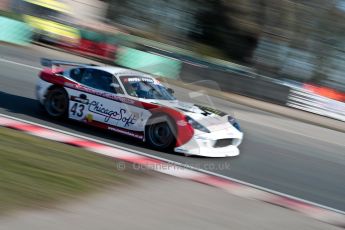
(299, 44)
(220, 52)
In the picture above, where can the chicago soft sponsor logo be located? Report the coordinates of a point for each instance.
(121, 115)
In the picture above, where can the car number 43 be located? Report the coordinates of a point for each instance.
(77, 110)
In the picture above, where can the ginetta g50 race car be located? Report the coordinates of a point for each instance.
(135, 104)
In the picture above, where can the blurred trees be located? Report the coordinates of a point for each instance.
(304, 41)
(215, 23)
(223, 24)
(295, 39)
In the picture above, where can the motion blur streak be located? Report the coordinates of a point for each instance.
(273, 157)
(289, 53)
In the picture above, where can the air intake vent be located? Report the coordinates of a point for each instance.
(223, 143)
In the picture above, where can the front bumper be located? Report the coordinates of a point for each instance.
(205, 145)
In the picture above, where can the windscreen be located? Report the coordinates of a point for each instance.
(145, 87)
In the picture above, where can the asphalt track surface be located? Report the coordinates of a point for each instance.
(277, 153)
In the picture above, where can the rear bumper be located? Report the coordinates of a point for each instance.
(41, 90)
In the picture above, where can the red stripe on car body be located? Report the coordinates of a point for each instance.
(184, 131)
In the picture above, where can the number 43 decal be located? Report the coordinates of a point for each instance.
(77, 109)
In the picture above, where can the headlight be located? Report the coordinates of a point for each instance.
(197, 125)
(234, 123)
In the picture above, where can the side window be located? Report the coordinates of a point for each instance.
(117, 87)
(97, 79)
(76, 74)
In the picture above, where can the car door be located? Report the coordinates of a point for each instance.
(99, 101)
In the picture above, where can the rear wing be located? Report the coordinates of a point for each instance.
(53, 64)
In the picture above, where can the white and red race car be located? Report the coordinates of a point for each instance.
(138, 105)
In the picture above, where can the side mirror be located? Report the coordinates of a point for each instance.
(171, 91)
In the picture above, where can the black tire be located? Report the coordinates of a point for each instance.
(56, 103)
(160, 134)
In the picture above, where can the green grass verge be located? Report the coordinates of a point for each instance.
(35, 172)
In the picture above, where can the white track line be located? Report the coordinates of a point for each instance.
(20, 64)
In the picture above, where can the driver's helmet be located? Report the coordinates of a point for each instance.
(135, 85)
(132, 88)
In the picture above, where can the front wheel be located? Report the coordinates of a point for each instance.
(56, 103)
(160, 136)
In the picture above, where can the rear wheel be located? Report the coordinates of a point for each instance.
(160, 135)
(56, 103)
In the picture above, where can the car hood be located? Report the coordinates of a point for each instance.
(209, 117)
